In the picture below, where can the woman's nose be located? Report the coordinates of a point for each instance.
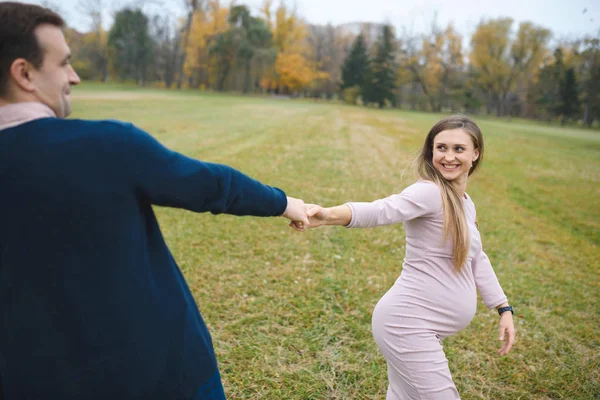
(449, 156)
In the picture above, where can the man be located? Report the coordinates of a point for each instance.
(92, 303)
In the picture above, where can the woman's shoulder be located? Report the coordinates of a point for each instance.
(423, 186)
(424, 192)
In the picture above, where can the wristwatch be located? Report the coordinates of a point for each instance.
(502, 310)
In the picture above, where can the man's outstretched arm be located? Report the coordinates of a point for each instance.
(167, 178)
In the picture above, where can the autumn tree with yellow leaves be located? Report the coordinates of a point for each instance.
(200, 67)
(293, 71)
(436, 65)
(90, 48)
(501, 61)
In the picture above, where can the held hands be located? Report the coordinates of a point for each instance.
(303, 216)
(319, 216)
(507, 332)
(315, 217)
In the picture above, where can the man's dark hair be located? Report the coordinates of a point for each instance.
(18, 22)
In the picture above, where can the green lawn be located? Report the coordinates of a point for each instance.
(290, 313)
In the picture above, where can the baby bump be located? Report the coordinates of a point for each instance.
(403, 310)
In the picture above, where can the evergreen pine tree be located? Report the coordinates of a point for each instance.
(547, 88)
(569, 98)
(554, 87)
(381, 80)
(356, 64)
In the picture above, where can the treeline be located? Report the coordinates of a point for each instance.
(507, 70)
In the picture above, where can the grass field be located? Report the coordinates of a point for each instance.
(290, 313)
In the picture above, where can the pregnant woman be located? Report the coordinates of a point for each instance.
(435, 295)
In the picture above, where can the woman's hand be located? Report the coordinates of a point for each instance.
(507, 332)
(317, 215)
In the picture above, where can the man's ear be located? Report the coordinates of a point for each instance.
(20, 72)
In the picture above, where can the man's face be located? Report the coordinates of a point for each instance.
(53, 80)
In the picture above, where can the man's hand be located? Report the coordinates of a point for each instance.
(296, 213)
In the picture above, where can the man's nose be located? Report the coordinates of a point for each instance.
(73, 77)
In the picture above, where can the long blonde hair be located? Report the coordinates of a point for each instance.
(455, 224)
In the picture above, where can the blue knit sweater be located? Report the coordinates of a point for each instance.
(92, 303)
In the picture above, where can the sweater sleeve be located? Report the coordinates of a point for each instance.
(167, 178)
(486, 281)
(418, 200)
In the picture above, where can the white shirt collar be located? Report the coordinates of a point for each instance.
(19, 113)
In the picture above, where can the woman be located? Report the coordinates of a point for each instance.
(435, 295)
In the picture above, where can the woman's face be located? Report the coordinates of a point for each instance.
(454, 154)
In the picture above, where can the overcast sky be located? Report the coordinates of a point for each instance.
(566, 18)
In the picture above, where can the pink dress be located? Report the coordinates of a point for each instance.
(429, 301)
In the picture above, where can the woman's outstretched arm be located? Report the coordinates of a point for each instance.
(319, 216)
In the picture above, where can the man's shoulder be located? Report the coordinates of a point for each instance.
(76, 125)
(106, 130)
(105, 125)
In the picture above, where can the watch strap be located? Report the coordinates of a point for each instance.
(502, 310)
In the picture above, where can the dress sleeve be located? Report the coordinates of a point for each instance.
(418, 200)
(486, 281)
(167, 178)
